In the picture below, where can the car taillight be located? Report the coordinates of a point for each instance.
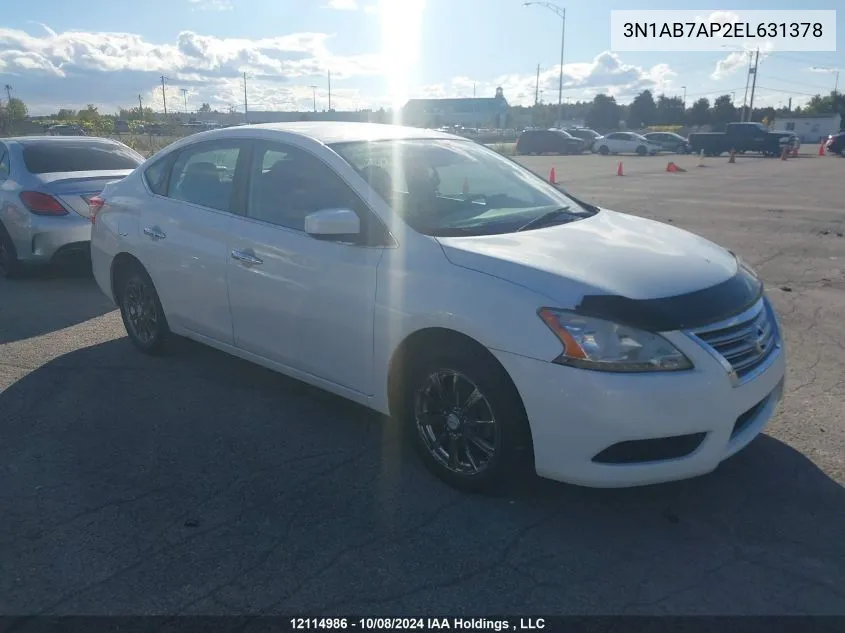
(42, 203)
(95, 204)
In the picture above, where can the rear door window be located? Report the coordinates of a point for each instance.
(204, 174)
(4, 163)
(55, 157)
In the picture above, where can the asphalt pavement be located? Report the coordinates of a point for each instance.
(196, 483)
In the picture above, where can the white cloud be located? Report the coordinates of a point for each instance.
(729, 65)
(212, 5)
(371, 8)
(606, 73)
(343, 5)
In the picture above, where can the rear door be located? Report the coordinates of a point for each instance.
(185, 234)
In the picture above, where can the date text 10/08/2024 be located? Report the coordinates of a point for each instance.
(417, 624)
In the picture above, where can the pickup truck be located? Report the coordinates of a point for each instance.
(741, 137)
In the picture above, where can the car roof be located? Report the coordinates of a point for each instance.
(37, 140)
(329, 132)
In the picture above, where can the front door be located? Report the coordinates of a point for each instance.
(303, 302)
(185, 234)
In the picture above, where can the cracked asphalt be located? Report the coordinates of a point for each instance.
(199, 484)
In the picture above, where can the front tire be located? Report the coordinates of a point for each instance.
(642, 151)
(465, 419)
(603, 150)
(140, 308)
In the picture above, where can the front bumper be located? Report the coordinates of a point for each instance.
(575, 415)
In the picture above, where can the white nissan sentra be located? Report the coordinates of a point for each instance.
(502, 322)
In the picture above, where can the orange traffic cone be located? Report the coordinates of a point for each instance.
(673, 168)
(619, 169)
(552, 177)
(821, 148)
(732, 159)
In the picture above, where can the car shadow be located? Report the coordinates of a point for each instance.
(49, 299)
(196, 483)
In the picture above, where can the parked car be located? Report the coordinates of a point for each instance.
(836, 144)
(625, 143)
(669, 142)
(45, 184)
(585, 134)
(744, 137)
(66, 129)
(548, 142)
(502, 322)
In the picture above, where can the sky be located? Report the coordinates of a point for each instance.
(56, 54)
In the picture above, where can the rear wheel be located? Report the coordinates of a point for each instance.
(603, 150)
(141, 310)
(642, 151)
(10, 267)
(465, 419)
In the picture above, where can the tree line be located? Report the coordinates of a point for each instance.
(604, 113)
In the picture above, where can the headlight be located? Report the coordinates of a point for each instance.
(591, 343)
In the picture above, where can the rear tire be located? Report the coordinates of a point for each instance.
(140, 308)
(465, 419)
(642, 151)
(10, 267)
(603, 150)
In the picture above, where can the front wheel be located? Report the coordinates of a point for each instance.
(641, 150)
(603, 150)
(466, 420)
(140, 308)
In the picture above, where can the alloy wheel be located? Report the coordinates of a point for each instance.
(141, 311)
(456, 422)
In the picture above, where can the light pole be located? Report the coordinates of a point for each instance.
(560, 11)
(685, 97)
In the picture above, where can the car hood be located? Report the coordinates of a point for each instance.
(609, 253)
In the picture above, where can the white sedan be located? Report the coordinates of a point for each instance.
(625, 143)
(503, 323)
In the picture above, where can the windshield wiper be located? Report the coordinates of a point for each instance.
(549, 216)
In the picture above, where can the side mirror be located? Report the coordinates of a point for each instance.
(333, 224)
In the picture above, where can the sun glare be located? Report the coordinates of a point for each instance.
(401, 27)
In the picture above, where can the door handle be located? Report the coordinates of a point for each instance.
(247, 258)
(154, 232)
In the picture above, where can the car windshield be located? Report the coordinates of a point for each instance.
(46, 158)
(451, 187)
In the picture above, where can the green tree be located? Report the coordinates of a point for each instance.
(643, 111)
(723, 112)
(603, 114)
(670, 110)
(89, 114)
(699, 113)
(16, 109)
(204, 108)
(66, 114)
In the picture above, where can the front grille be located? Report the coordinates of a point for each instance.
(745, 341)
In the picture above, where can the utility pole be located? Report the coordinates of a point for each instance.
(560, 11)
(330, 91)
(685, 97)
(246, 105)
(140, 109)
(184, 92)
(9, 91)
(314, 92)
(789, 107)
(745, 97)
(473, 90)
(537, 86)
(753, 84)
(164, 94)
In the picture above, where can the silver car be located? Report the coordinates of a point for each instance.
(45, 185)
